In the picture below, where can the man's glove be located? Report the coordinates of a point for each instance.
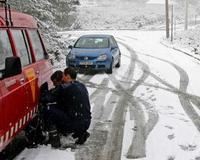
(44, 88)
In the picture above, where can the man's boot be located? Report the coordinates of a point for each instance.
(82, 138)
(54, 138)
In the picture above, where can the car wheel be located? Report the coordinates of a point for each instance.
(119, 63)
(110, 70)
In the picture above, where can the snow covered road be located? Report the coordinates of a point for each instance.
(148, 109)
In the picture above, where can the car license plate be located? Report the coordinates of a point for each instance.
(86, 63)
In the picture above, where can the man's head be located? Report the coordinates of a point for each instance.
(57, 77)
(70, 74)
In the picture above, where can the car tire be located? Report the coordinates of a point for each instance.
(119, 63)
(110, 70)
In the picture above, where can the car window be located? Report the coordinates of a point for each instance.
(37, 45)
(113, 43)
(27, 44)
(92, 42)
(5, 48)
(21, 46)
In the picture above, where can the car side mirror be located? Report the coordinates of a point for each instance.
(70, 46)
(113, 47)
(12, 66)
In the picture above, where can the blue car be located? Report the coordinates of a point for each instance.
(95, 52)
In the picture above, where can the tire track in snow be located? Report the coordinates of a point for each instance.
(100, 122)
(111, 142)
(113, 146)
(184, 97)
(185, 100)
(135, 150)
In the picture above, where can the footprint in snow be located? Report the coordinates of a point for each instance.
(169, 127)
(197, 158)
(170, 107)
(188, 147)
(171, 158)
(147, 89)
(171, 136)
(142, 94)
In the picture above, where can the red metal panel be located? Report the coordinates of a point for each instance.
(1, 118)
(45, 70)
(19, 19)
(31, 87)
(12, 43)
(2, 22)
(43, 67)
(14, 101)
(13, 107)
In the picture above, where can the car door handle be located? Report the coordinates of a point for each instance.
(21, 80)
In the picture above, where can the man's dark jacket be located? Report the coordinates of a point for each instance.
(72, 98)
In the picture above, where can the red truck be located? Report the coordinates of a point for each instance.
(24, 67)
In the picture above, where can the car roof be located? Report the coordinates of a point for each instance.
(97, 35)
(19, 19)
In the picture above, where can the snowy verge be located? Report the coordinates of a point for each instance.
(185, 50)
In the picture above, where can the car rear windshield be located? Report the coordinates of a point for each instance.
(92, 42)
